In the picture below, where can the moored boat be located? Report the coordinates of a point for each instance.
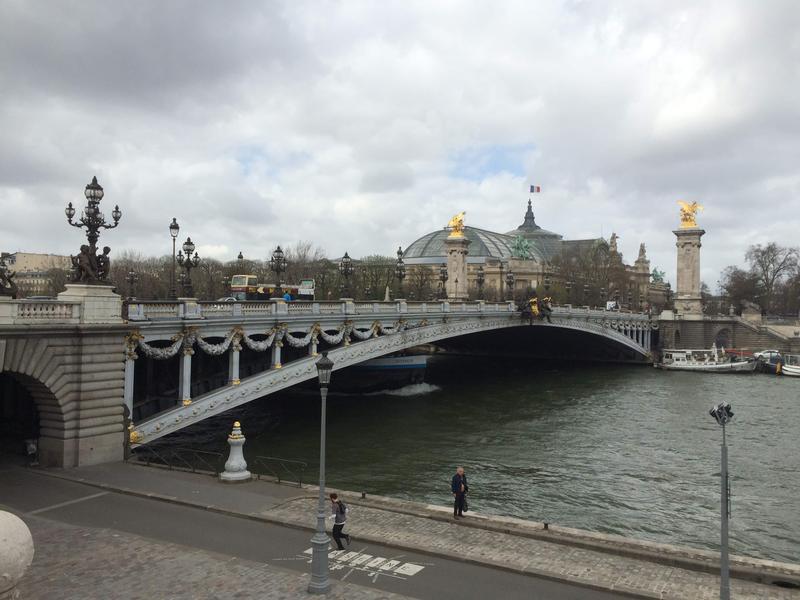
(706, 361)
(791, 365)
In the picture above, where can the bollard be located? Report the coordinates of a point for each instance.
(363, 495)
(235, 467)
(546, 525)
(16, 553)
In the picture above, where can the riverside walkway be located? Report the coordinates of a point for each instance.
(480, 552)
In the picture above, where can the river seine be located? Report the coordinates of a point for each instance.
(618, 449)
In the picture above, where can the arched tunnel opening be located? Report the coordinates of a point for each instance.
(19, 417)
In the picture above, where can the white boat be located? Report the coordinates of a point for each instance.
(706, 361)
(791, 365)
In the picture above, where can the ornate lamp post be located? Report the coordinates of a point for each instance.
(174, 229)
(131, 278)
(480, 279)
(240, 260)
(510, 280)
(442, 280)
(547, 281)
(585, 292)
(226, 284)
(90, 268)
(188, 263)
(277, 264)
(603, 296)
(347, 269)
(723, 414)
(568, 288)
(400, 272)
(320, 583)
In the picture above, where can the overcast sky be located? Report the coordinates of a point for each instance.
(362, 125)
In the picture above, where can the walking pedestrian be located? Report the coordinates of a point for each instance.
(339, 513)
(459, 488)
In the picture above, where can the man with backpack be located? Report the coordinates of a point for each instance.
(339, 513)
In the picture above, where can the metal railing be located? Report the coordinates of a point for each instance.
(281, 469)
(183, 459)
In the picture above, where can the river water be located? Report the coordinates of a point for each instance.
(628, 450)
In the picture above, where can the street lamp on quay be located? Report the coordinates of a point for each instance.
(226, 284)
(723, 414)
(131, 278)
(94, 221)
(347, 269)
(480, 279)
(320, 583)
(568, 288)
(174, 229)
(400, 271)
(240, 261)
(510, 280)
(443, 276)
(277, 264)
(188, 262)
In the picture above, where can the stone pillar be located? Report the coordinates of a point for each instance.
(233, 362)
(276, 354)
(687, 295)
(457, 249)
(236, 466)
(127, 393)
(16, 553)
(99, 303)
(186, 376)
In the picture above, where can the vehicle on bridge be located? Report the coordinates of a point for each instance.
(246, 287)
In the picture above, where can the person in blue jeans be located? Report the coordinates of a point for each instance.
(339, 511)
(459, 488)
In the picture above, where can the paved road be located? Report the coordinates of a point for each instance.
(440, 579)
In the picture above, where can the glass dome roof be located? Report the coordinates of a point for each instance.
(430, 248)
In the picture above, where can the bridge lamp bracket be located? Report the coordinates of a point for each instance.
(324, 369)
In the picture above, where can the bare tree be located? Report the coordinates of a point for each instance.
(771, 263)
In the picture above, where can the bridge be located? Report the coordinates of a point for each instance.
(172, 364)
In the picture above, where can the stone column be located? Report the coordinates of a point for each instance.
(457, 249)
(236, 466)
(687, 295)
(186, 376)
(276, 354)
(127, 393)
(233, 362)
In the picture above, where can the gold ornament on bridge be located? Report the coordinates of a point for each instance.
(456, 225)
(688, 214)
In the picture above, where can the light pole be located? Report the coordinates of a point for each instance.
(277, 264)
(240, 262)
(480, 279)
(346, 268)
(400, 271)
(723, 414)
(188, 263)
(510, 280)
(568, 287)
(443, 276)
(91, 268)
(174, 229)
(131, 278)
(320, 584)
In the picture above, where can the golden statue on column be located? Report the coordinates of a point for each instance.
(456, 225)
(689, 214)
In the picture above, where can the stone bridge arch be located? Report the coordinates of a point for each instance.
(75, 383)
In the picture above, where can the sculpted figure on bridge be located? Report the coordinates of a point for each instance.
(456, 225)
(87, 267)
(689, 214)
(7, 285)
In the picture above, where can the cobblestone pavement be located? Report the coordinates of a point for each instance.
(535, 556)
(79, 563)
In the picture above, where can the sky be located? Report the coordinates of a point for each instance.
(361, 126)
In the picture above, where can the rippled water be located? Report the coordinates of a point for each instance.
(625, 450)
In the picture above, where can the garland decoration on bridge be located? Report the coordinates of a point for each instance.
(333, 339)
(162, 353)
(367, 333)
(263, 345)
(216, 349)
(300, 342)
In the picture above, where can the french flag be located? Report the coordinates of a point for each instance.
(535, 189)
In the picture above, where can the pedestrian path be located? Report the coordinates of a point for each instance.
(506, 544)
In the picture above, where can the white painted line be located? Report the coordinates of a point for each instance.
(408, 569)
(389, 566)
(347, 557)
(67, 503)
(375, 562)
(361, 559)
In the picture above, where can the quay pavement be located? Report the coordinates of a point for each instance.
(423, 552)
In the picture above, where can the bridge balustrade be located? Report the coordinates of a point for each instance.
(13, 312)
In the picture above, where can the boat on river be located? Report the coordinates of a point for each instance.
(791, 365)
(706, 361)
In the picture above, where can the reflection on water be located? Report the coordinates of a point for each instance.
(625, 450)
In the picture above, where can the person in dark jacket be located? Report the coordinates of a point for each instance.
(459, 488)
(339, 511)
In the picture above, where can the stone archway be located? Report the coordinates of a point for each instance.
(723, 338)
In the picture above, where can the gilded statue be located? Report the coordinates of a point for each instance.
(456, 225)
(688, 214)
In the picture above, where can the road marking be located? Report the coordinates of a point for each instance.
(373, 567)
(67, 503)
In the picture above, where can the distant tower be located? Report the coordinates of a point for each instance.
(688, 300)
